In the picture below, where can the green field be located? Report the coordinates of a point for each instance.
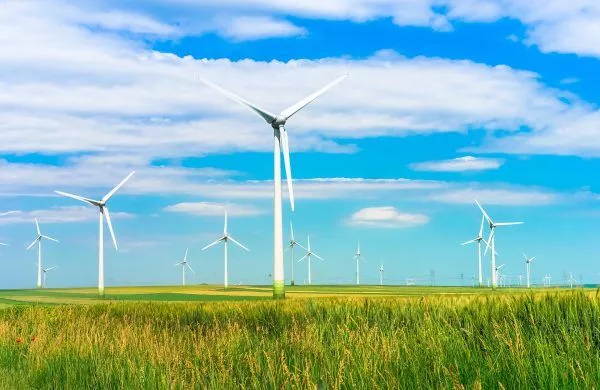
(322, 336)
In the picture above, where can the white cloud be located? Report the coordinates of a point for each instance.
(212, 209)
(460, 164)
(65, 214)
(246, 28)
(498, 196)
(76, 89)
(386, 217)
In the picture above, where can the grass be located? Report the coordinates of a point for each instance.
(389, 338)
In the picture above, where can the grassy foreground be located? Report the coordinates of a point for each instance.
(544, 340)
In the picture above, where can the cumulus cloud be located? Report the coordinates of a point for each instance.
(386, 217)
(460, 164)
(211, 209)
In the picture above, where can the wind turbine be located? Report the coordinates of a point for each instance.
(45, 270)
(184, 263)
(528, 264)
(496, 269)
(309, 254)
(39, 239)
(358, 257)
(290, 247)
(101, 204)
(280, 144)
(478, 240)
(571, 280)
(381, 274)
(225, 239)
(492, 240)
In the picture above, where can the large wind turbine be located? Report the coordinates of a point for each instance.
(492, 239)
(45, 270)
(39, 239)
(225, 239)
(309, 254)
(184, 264)
(358, 257)
(293, 243)
(280, 144)
(478, 240)
(528, 264)
(101, 204)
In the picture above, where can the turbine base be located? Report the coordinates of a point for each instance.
(278, 290)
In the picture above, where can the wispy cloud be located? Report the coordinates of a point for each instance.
(498, 196)
(66, 214)
(386, 217)
(246, 28)
(460, 164)
(211, 209)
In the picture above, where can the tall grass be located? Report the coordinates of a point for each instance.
(504, 341)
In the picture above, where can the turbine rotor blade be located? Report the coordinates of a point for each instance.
(51, 268)
(37, 227)
(488, 243)
(213, 243)
(317, 256)
(288, 112)
(32, 244)
(188, 265)
(49, 238)
(508, 223)
(80, 198)
(300, 245)
(112, 192)
(302, 258)
(110, 228)
(469, 242)
(266, 115)
(483, 212)
(286, 161)
(9, 212)
(292, 231)
(238, 244)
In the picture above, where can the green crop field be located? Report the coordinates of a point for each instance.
(321, 336)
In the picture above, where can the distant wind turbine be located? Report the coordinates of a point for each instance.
(528, 265)
(184, 264)
(497, 271)
(225, 239)
(358, 257)
(101, 204)
(38, 239)
(381, 274)
(492, 239)
(478, 240)
(45, 270)
(293, 243)
(281, 144)
(309, 254)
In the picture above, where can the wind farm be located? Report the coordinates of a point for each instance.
(437, 231)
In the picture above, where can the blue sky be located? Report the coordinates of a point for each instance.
(447, 101)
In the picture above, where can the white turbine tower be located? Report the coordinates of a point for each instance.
(225, 239)
(45, 270)
(381, 274)
(39, 237)
(103, 211)
(478, 240)
(184, 264)
(492, 239)
(293, 243)
(358, 257)
(280, 144)
(309, 254)
(528, 265)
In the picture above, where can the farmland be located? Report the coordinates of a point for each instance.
(329, 336)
